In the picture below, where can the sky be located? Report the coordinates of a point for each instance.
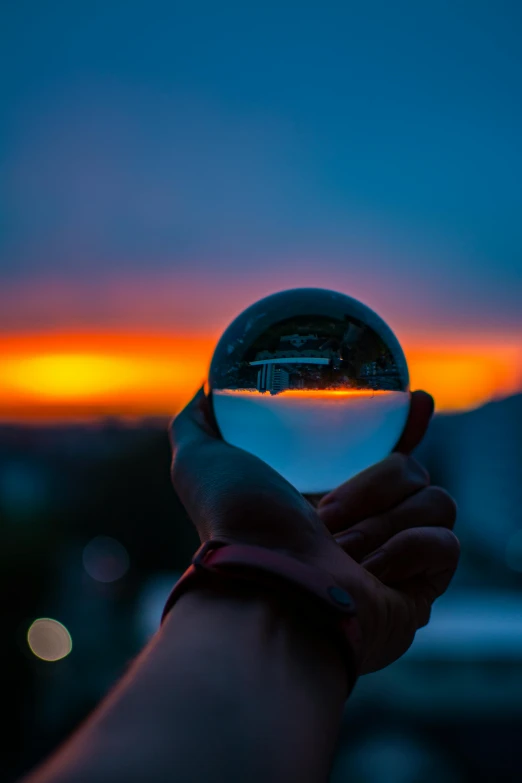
(163, 165)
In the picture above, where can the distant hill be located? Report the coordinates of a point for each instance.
(477, 457)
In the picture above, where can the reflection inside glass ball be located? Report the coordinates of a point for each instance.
(312, 382)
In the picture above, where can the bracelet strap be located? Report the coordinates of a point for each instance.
(228, 562)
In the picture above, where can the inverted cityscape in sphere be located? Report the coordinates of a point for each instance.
(317, 396)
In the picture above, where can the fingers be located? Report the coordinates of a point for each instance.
(420, 563)
(430, 507)
(372, 492)
(383, 485)
(422, 406)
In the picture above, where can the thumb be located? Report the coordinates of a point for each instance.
(195, 424)
(197, 462)
(420, 563)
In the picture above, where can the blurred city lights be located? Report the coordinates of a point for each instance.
(105, 559)
(392, 757)
(514, 552)
(49, 640)
(23, 489)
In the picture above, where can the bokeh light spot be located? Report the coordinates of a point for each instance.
(105, 559)
(49, 640)
(514, 552)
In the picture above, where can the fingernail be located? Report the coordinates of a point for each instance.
(327, 501)
(351, 537)
(376, 562)
(330, 510)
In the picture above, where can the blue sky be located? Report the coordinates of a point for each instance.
(372, 146)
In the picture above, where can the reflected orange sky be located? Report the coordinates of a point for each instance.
(67, 376)
(311, 394)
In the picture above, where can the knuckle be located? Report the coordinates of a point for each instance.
(175, 428)
(177, 465)
(443, 501)
(406, 470)
(398, 465)
(174, 470)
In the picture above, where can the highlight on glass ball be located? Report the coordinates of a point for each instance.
(314, 383)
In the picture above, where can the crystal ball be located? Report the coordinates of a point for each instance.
(314, 383)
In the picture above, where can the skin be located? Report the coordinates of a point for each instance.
(237, 685)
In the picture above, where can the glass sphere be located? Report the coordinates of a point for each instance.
(312, 382)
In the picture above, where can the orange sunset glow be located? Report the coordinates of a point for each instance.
(311, 394)
(86, 376)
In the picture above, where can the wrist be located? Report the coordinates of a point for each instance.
(254, 676)
(294, 584)
(244, 619)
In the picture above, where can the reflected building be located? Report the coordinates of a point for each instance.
(281, 380)
(280, 373)
(382, 373)
(272, 378)
(299, 340)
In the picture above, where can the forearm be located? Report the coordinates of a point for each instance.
(231, 688)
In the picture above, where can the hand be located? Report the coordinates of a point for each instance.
(231, 494)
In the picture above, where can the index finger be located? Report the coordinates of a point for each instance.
(373, 491)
